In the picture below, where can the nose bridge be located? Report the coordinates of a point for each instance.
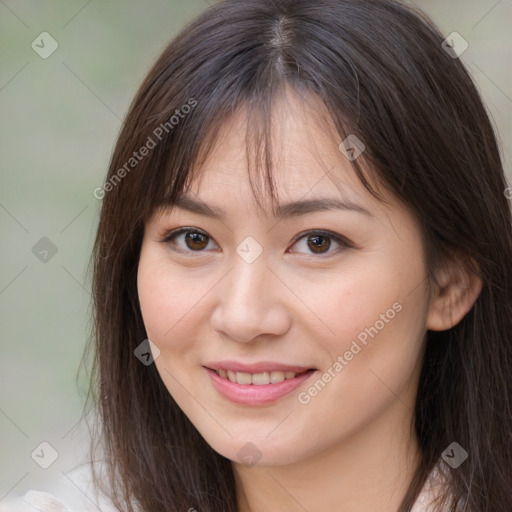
(247, 289)
(249, 280)
(249, 303)
(250, 273)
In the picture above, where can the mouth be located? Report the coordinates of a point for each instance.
(259, 386)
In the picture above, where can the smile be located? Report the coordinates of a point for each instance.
(256, 388)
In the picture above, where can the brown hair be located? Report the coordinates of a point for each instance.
(382, 73)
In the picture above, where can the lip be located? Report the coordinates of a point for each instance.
(250, 394)
(263, 366)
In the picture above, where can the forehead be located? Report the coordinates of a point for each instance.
(304, 148)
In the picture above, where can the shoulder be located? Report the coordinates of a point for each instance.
(432, 490)
(72, 492)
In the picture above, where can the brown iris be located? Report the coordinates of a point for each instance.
(195, 240)
(319, 242)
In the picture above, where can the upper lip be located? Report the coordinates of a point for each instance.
(260, 367)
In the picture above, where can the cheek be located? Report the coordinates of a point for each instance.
(375, 314)
(168, 301)
(363, 299)
(379, 319)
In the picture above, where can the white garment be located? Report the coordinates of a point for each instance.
(74, 493)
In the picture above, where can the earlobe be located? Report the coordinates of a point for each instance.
(452, 297)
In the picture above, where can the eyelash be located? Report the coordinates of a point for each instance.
(340, 240)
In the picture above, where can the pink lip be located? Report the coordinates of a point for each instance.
(250, 394)
(264, 366)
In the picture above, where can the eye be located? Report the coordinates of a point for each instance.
(194, 240)
(320, 241)
(314, 241)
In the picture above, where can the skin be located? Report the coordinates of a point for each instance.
(352, 445)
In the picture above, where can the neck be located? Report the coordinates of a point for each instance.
(366, 471)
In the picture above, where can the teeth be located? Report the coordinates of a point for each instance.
(258, 379)
(243, 378)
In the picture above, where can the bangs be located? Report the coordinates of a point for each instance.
(259, 108)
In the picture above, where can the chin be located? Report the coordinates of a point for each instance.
(264, 453)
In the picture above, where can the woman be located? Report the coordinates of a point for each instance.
(305, 213)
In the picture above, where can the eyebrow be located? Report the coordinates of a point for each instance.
(292, 209)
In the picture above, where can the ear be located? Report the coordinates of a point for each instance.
(456, 290)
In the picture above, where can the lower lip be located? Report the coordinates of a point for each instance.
(251, 394)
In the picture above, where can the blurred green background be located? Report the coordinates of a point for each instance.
(60, 118)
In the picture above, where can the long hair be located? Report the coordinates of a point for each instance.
(382, 72)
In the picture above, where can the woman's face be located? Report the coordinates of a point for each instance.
(245, 290)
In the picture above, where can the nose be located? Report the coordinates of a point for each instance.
(251, 303)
